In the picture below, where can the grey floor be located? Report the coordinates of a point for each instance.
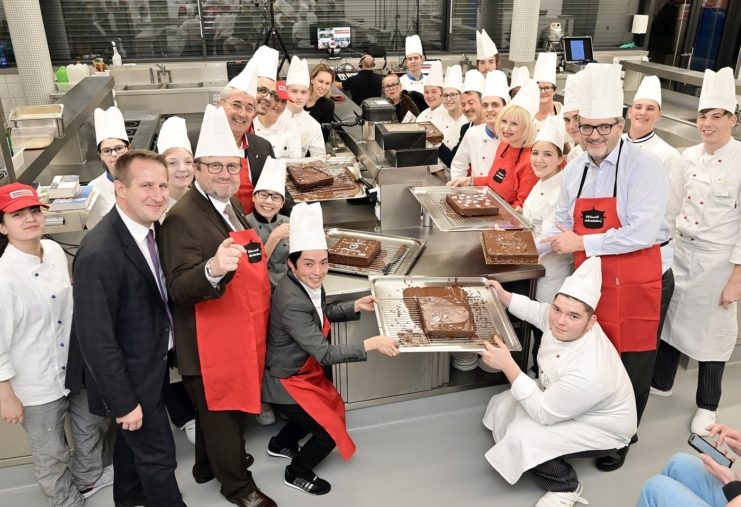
(429, 453)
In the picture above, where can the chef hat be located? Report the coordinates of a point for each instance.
(246, 80)
(496, 85)
(267, 62)
(307, 228)
(553, 130)
(216, 138)
(572, 92)
(650, 89)
(602, 91)
(273, 176)
(485, 47)
(435, 76)
(528, 97)
(298, 72)
(474, 81)
(545, 68)
(718, 91)
(173, 134)
(585, 283)
(413, 46)
(454, 78)
(519, 76)
(109, 124)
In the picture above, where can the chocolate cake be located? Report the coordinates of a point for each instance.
(353, 251)
(443, 311)
(432, 133)
(307, 177)
(472, 205)
(509, 247)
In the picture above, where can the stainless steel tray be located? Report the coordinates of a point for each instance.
(395, 320)
(397, 252)
(433, 202)
(346, 173)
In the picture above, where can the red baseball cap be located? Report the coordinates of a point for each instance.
(17, 196)
(281, 90)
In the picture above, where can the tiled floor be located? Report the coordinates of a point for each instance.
(429, 453)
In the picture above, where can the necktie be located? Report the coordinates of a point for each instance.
(229, 212)
(153, 254)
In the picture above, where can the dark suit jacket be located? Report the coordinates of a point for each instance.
(190, 236)
(257, 151)
(120, 324)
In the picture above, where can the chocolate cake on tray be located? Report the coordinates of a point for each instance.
(353, 251)
(472, 204)
(307, 177)
(444, 312)
(509, 247)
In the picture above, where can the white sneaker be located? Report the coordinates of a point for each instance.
(190, 431)
(266, 417)
(552, 499)
(702, 419)
(105, 479)
(659, 392)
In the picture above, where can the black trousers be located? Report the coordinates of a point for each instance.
(555, 475)
(298, 426)
(219, 444)
(144, 462)
(179, 406)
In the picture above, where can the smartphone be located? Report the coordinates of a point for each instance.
(701, 445)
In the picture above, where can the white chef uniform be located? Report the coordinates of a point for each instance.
(582, 400)
(310, 129)
(477, 148)
(665, 152)
(286, 141)
(412, 46)
(434, 78)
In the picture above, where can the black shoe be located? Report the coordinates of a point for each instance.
(276, 451)
(202, 479)
(613, 461)
(308, 483)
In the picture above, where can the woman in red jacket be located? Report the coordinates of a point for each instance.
(510, 174)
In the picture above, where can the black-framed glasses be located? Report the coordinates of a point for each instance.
(118, 150)
(263, 90)
(451, 96)
(391, 86)
(265, 195)
(547, 89)
(603, 129)
(217, 167)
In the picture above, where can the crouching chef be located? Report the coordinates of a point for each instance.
(583, 401)
(298, 347)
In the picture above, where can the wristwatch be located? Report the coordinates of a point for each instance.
(210, 273)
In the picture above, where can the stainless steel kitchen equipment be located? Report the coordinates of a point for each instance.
(397, 256)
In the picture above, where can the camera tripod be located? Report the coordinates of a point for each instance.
(273, 38)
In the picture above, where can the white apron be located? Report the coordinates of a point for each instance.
(104, 202)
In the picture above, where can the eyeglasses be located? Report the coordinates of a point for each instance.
(118, 150)
(603, 129)
(546, 89)
(264, 195)
(450, 96)
(249, 109)
(217, 167)
(263, 90)
(391, 86)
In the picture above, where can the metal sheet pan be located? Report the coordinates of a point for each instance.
(432, 200)
(346, 173)
(395, 320)
(409, 248)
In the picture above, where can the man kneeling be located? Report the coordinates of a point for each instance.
(583, 402)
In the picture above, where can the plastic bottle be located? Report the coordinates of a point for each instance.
(62, 75)
(116, 59)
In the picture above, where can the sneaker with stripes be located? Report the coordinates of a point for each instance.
(308, 483)
(277, 451)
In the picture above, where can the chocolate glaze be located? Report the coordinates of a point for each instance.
(353, 251)
(442, 312)
(509, 247)
(472, 205)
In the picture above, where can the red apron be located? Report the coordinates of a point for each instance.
(246, 186)
(628, 310)
(231, 332)
(319, 398)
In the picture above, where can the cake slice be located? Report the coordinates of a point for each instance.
(509, 247)
(353, 251)
(472, 205)
(443, 311)
(307, 177)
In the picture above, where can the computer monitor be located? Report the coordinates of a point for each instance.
(333, 38)
(577, 49)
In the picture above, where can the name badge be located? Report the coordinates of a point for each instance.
(254, 252)
(499, 175)
(593, 218)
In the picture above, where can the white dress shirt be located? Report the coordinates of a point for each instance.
(310, 130)
(316, 299)
(286, 142)
(36, 301)
(477, 148)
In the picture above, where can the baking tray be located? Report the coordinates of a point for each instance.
(395, 320)
(433, 202)
(391, 246)
(346, 184)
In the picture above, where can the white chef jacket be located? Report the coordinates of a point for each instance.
(309, 129)
(668, 155)
(540, 209)
(582, 401)
(451, 128)
(36, 301)
(104, 202)
(432, 115)
(642, 197)
(575, 152)
(703, 209)
(476, 148)
(410, 84)
(286, 142)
